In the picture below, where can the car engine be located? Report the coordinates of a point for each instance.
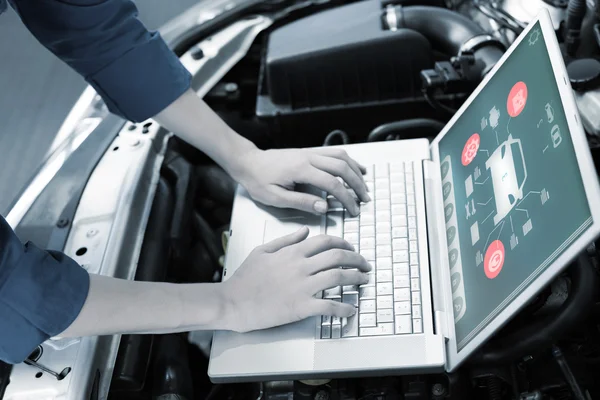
(330, 72)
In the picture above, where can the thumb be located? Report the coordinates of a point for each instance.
(287, 240)
(300, 201)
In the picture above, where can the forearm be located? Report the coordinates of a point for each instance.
(117, 306)
(190, 118)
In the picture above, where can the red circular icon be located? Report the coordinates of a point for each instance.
(494, 259)
(517, 98)
(470, 150)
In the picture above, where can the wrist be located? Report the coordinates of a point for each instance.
(236, 162)
(205, 306)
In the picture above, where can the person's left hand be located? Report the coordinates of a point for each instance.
(270, 177)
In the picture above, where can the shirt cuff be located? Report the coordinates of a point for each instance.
(48, 289)
(142, 82)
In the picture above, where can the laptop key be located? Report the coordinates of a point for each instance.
(350, 289)
(384, 275)
(416, 297)
(402, 294)
(367, 306)
(415, 284)
(326, 332)
(400, 232)
(402, 307)
(400, 244)
(416, 311)
(367, 243)
(350, 226)
(384, 238)
(384, 263)
(367, 292)
(401, 269)
(385, 288)
(417, 325)
(403, 324)
(401, 281)
(335, 224)
(367, 219)
(367, 320)
(332, 293)
(350, 298)
(400, 256)
(385, 315)
(336, 331)
(384, 251)
(351, 237)
(379, 330)
(385, 302)
(399, 220)
(350, 326)
(413, 247)
(367, 231)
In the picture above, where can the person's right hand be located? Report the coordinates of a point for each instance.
(277, 283)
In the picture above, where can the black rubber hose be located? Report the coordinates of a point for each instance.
(575, 14)
(567, 373)
(410, 128)
(447, 31)
(543, 333)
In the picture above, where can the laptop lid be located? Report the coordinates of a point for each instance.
(518, 183)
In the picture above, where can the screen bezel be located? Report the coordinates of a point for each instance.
(590, 181)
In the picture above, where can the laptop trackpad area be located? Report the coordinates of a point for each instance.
(278, 227)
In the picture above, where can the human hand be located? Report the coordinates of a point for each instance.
(270, 177)
(277, 283)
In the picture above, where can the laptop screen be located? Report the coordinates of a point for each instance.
(513, 194)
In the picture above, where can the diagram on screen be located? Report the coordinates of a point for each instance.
(497, 199)
(509, 174)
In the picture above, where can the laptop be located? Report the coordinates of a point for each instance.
(462, 232)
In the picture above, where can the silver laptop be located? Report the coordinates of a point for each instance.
(462, 232)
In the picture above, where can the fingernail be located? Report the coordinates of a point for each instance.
(369, 197)
(320, 207)
(353, 312)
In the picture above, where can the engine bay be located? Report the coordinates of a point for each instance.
(339, 72)
(372, 71)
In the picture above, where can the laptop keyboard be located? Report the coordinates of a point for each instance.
(385, 233)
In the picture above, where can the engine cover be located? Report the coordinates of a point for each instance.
(340, 59)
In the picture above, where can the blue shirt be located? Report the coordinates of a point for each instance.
(42, 292)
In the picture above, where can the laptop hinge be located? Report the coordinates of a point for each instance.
(437, 245)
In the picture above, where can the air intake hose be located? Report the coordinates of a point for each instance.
(450, 32)
(575, 14)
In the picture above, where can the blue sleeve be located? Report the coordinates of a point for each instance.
(41, 294)
(133, 69)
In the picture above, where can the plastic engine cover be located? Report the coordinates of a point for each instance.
(341, 56)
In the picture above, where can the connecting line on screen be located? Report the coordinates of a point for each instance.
(481, 183)
(487, 202)
(525, 211)
(497, 141)
(508, 130)
(523, 199)
(501, 226)
(545, 148)
(486, 152)
(486, 218)
(512, 228)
